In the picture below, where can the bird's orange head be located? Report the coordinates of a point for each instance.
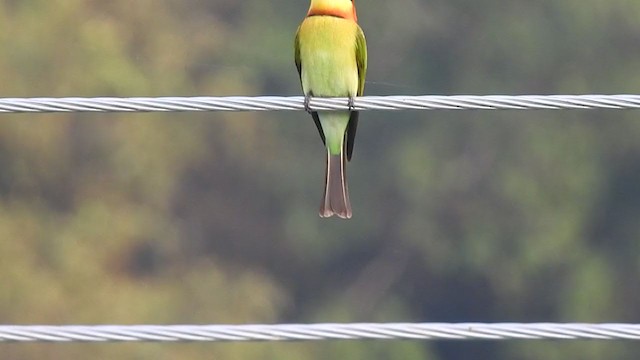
(345, 9)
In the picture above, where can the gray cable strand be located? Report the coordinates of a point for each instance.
(272, 103)
(314, 332)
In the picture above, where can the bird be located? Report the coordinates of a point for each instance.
(331, 59)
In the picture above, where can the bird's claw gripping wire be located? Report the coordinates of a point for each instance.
(307, 101)
(351, 103)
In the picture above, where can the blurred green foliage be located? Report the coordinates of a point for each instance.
(212, 217)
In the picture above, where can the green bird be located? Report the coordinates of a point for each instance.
(331, 57)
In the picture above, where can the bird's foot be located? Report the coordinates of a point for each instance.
(351, 103)
(307, 101)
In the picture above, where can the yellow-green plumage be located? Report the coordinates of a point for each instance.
(331, 57)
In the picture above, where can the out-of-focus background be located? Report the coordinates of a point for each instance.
(212, 217)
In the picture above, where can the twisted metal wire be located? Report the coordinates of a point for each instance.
(312, 332)
(272, 103)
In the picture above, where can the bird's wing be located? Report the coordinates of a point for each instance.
(361, 59)
(314, 114)
(361, 62)
(296, 48)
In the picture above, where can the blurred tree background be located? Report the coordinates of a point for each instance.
(212, 217)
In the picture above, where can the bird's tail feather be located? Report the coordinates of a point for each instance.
(336, 194)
